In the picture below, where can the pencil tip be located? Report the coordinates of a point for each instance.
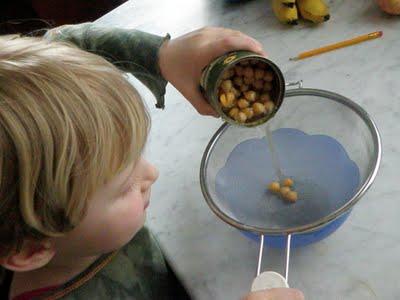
(293, 58)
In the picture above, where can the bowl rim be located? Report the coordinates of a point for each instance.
(376, 159)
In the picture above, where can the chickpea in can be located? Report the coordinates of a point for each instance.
(244, 91)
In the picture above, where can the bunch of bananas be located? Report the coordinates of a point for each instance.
(287, 11)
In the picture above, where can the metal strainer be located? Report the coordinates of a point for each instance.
(327, 143)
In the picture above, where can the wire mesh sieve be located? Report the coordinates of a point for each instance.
(327, 143)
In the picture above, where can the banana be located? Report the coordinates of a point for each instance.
(289, 3)
(313, 10)
(285, 12)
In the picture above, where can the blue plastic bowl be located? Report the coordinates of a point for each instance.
(302, 239)
(324, 175)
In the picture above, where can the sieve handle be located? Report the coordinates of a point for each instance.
(269, 280)
(299, 84)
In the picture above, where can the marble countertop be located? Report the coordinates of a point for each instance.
(362, 259)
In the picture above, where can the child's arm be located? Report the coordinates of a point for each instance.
(130, 50)
(154, 60)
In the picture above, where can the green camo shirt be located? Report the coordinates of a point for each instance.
(132, 51)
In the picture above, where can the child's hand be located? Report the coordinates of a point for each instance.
(183, 59)
(276, 294)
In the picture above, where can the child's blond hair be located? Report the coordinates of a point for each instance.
(69, 122)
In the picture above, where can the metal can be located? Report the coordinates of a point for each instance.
(212, 77)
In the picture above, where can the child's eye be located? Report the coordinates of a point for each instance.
(127, 190)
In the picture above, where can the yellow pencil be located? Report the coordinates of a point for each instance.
(339, 45)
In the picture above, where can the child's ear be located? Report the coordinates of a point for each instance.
(33, 255)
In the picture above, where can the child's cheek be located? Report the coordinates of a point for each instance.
(126, 218)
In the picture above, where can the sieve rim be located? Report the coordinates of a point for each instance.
(376, 159)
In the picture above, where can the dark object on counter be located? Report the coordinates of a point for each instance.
(31, 16)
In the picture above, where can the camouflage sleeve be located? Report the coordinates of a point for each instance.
(130, 50)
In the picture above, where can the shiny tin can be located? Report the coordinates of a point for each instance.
(212, 77)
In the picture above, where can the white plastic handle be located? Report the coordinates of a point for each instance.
(268, 280)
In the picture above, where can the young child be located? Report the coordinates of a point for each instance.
(74, 187)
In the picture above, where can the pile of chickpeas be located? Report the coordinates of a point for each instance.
(244, 93)
(284, 189)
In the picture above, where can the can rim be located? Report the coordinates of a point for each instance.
(325, 220)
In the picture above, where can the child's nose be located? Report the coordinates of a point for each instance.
(151, 172)
(150, 178)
